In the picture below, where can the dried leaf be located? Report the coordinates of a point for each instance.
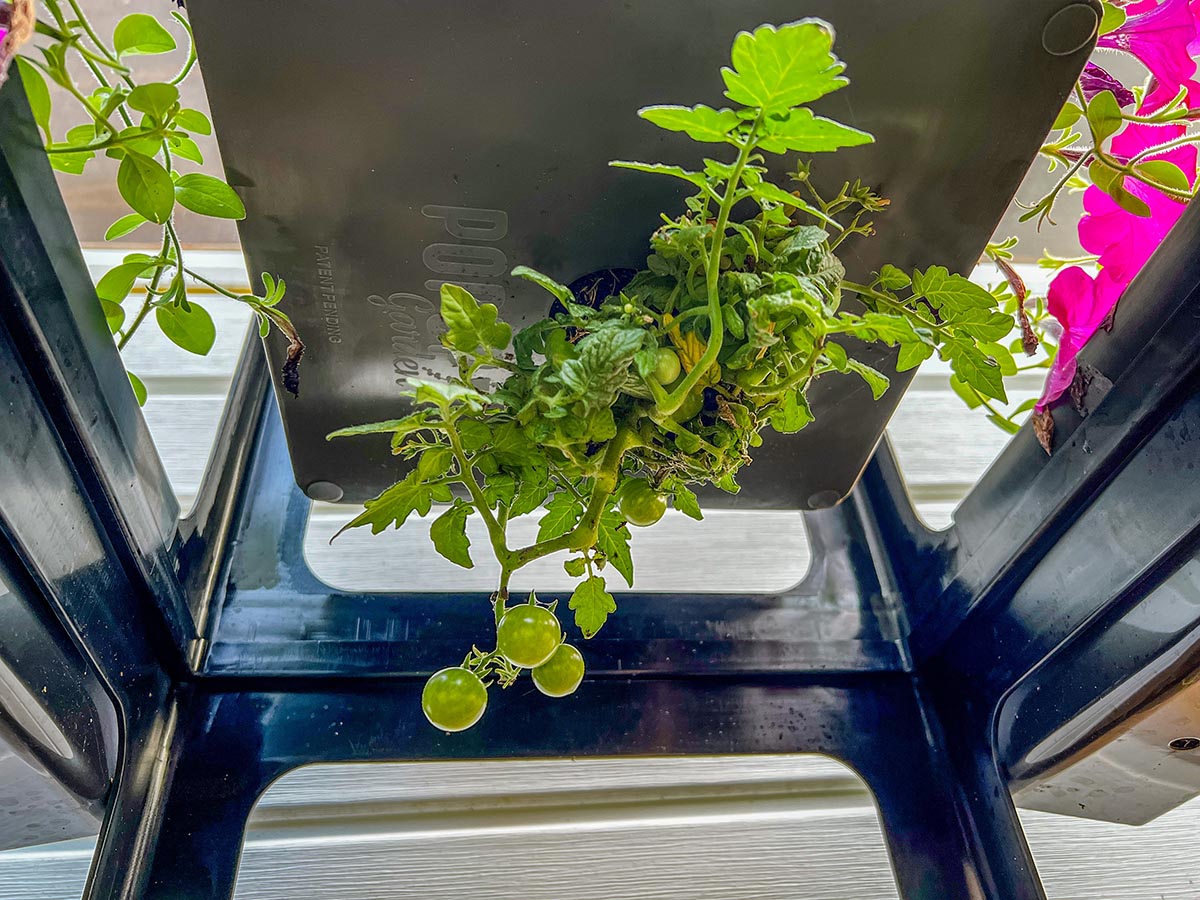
(1043, 427)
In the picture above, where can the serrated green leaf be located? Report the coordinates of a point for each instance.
(592, 605)
(612, 538)
(443, 393)
(139, 389)
(533, 486)
(694, 178)
(686, 502)
(407, 425)
(562, 512)
(575, 567)
(974, 368)
(893, 278)
(1004, 359)
(886, 327)
(801, 238)
(776, 68)
(771, 193)
(836, 354)
(37, 94)
(876, 380)
(471, 324)
(115, 284)
(193, 120)
(449, 535)
(434, 462)
(146, 186)
(139, 33)
(189, 327)
(394, 505)
(967, 394)
(124, 225)
(912, 355)
(209, 196)
(155, 99)
(982, 324)
(601, 368)
(792, 413)
(1104, 116)
(951, 292)
(700, 123)
(799, 130)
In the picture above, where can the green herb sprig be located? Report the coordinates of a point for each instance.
(144, 125)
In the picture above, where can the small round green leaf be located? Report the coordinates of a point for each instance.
(189, 327)
(1165, 173)
(114, 314)
(123, 226)
(146, 186)
(209, 196)
(193, 120)
(140, 33)
(154, 99)
(139, 389)
(115, 284)
(37, 93)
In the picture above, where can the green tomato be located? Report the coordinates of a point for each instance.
(453, 699)
(561, 673)
(666, 366)
(639, 503)
(751, 377)
(528, 635)
(692, 403)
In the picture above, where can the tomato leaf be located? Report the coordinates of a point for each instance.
(471, 324)
(562, 512)
(700, 123)
(592, 605)
(612, 538)
(449, 535)
(776, 68)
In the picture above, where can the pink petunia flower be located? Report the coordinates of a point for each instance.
(1123, 242)
(1158, 34)
(1080, 303)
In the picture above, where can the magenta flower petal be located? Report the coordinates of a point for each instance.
(1095, 79)
(1159, 38)
(1080, 303)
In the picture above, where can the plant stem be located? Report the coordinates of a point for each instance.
(148, 303)
(863, 290)
(111, 58)
(495, 529)
(667, 404)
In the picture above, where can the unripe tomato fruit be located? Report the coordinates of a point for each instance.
(639, 503)
(692, 403)
(561, 673)
(666, 365)
(528, 635)
(453, 699)
(751, 377)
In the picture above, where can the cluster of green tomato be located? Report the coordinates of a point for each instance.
(528, 637)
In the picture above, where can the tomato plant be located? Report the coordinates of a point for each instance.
(639, 388)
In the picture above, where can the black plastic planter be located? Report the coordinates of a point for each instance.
(409, 144)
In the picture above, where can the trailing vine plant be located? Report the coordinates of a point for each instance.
(144, 125)
(626, 398)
